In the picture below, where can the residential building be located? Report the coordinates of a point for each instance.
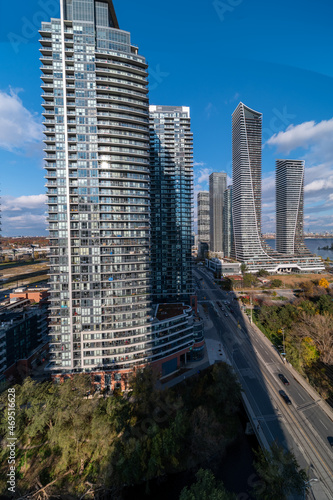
(34, 295)
(249, 246)
(171, 161)
(228, 235)
(96, 117)
(23, 333)
(203, 223)
(203, 216)
(289, 206)
(223, 267)
(246, 171)
(217, 186)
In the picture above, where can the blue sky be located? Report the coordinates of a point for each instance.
(276, 57)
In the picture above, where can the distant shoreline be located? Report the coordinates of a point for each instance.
(305, 237)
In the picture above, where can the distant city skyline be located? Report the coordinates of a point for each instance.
(289, 80)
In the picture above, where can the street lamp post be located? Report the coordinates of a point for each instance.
(251, 306)
(307, 484)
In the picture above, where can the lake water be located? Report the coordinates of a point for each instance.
(313, 244)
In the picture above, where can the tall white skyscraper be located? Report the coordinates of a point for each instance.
(289, 206)
(246, 171)
(249, 245)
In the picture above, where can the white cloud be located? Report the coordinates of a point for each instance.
(203, 175)
(313, 143)
(319, 185)
(199, 164)
(24, 215)
(232, 99)
(303, 135)
(35, 201)
(18, 126)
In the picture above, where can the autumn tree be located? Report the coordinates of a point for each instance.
(319, 328)
(324, 283)
(307, 288)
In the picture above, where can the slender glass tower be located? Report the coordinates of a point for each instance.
(96, 121)
(217, 186)
(228, 234)
(289, 206)
(171, 158)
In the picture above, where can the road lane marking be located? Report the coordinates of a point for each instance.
(323, 462)
(300, 395)
(323, 424)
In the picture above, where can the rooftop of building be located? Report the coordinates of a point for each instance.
(13, 303)
(10, 318)
(166, 311)
(30, 289)
(235, 277)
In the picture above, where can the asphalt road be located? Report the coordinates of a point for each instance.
(302, 426)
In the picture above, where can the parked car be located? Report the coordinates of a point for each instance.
(285, 397)
(283, 379)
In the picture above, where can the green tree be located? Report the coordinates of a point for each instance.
(248, 279)
(280, 472)
(262, 273)
(325, 304)
(276, 283)
(309, 353)
(206, 488)
(243, 268)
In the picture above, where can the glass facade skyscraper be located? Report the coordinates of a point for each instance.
(97, 170)
(171, 159)
(217, 186)
(228, 234)
(96, 117)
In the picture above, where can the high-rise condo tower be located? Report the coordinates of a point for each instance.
(96, 117)
(289, 205)
(217, 186)
(249, 246)
(171, 159)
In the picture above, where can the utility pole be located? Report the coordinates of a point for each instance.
(284, 345)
